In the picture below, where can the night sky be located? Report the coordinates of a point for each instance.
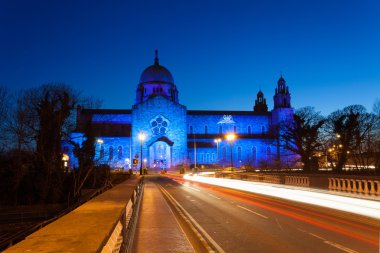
(219, 52)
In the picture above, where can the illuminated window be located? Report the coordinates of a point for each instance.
(159, 125)
(208, 157)
(254, 153)
(101, 153)
(120, 152)
(110, 157)
(269, 153)
(212, 157)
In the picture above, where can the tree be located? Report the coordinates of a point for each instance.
(349, 129)
(301, 136)
(376, 135)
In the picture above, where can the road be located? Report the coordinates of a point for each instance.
(246, 222)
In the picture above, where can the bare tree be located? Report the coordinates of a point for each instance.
(348, 130)
(302, 136)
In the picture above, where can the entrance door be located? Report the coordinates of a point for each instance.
(159, 155)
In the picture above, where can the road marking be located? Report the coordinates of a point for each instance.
(195, 189)
(301, 230)
(195, 225)
(336, 245)
(317, 236)
(341, 247)
(278, 223)
(213, 196)
(249, 210)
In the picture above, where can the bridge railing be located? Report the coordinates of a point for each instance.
(104, 224)
(359, 186)
(297, 181)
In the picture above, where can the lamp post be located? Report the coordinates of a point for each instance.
(100, 142)
(230, 137)
(141, 138)
(217, 141)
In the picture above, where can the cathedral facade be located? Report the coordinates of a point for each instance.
(163, 133)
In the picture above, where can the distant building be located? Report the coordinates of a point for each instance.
(175, 135)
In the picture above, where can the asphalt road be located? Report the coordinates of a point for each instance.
(244, 222)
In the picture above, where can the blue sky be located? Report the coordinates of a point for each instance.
(219, 52)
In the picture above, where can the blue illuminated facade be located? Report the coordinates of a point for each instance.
(176, 136)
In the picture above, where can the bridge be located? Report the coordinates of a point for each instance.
(220, 212)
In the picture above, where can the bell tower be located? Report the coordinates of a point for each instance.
(260, 103)
(282, 95)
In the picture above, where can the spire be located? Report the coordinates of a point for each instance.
(156, 57)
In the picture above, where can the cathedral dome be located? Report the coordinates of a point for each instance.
(156, 74)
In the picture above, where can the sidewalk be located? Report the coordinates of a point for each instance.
(157, 229)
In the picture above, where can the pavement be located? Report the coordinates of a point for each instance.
(157, 228)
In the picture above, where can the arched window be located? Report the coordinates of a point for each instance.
(120, 152)
(212, 157)
(208, 157)
(239, 153)
(220, 130)
(254, 153)
(269, 153)
(101, 153)
(249, 129)
(191, 129)
(235, 129)
(205, 129)
(110, 157)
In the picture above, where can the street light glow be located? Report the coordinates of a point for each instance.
(100, 141)
(217, 140)
(142, 136)
(230, 137)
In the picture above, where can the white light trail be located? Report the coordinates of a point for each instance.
(364, 207)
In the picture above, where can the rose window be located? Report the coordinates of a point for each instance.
(159, 125)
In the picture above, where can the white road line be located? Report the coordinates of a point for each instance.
(279, 225)
(249, 210)
(195, 189)
(193, 223)
(336, 245)
(301, 230)
(317, 236)
(341, 247)
(213, 196)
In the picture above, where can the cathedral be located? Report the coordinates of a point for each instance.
(159, 132)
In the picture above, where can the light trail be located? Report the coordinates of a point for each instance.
(364, 207)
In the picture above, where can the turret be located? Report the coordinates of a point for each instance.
(260, 103)
(282, 95)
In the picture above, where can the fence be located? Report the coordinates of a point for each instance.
(297, 181)
(360, 186)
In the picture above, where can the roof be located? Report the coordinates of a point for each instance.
(208, 112)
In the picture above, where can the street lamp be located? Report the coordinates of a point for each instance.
(141, 138)
(217, 141)
(100, 142)
(230, 137)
